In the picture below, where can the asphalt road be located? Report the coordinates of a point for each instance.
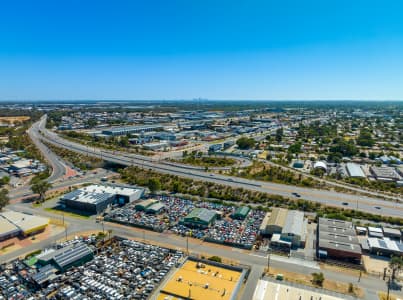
(58, 166)
(330, 198)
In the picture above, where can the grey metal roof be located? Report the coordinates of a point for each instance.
(294, 223)
(336, 245)
(71, 255)
(354, 170)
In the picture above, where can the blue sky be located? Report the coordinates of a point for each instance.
(220, 49)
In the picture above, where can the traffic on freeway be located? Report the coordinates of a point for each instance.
(326, 197)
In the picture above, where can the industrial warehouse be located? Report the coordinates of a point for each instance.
(14, 224)
(287, 228)
(96, 198)
(337, 239)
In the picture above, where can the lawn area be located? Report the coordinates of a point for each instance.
(66, 213)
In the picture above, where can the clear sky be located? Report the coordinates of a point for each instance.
(172, 49)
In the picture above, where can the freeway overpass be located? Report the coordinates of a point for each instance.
(330, 198)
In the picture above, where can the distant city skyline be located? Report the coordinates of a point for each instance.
(219, 50)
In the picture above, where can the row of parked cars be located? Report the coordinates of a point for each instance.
(124, 269)
(224, 230)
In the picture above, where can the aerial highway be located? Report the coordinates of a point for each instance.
(58, 166)
(331, 198)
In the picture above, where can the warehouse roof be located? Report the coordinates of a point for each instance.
(7, 228)
(375, 229)
(342, 246)
(334, 222)
(155, 207)
(72, 254)
(278, 217)
(98, 193)
(66, 255)
(385, 172)
(146, 203)
(25, 222)
(294, 223)
(392, 231)
(355, 170)
(385, 244)
(203, 214)
(344, 238)
(265, 222)
(242, 211)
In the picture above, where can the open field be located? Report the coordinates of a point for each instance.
(12, 120)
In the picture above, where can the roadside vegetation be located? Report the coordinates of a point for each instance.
(197, 159)
(265, 172)
(81, 161)
(120, 143)
(175, 184)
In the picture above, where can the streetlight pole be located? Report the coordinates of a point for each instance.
(268, 260)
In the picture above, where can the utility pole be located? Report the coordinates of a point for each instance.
(268, 260)
(187, 245)
(387, 296)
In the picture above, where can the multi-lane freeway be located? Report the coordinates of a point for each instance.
(331, 198)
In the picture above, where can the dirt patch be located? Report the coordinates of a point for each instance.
(12, 120)
(334, 286)
(339, 269)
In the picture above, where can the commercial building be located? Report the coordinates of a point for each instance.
(276, 221)
(336, 239)
(25, 224)
(200, 218)
(392, 233)
(67, 257)
(143, 205)
(131, 130)
(385, 247)
(263, 225)
(155, 208)
(355, 170)
(384, 173)
(375, 232)
(96, 198)
(7, 229)
(241, 212)
(294, 229)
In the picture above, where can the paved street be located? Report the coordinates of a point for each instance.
(256, 260)
(363, 203)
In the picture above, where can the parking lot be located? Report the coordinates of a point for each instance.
(122, 269)
(226, 230)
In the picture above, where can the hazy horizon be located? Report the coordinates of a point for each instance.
(258, 50)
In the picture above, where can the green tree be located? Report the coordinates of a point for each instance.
(4, 180)
(295, 148)
(279, 134)
(154, 185)
(4, 199)
(41, 187)
(318, 278)
(396, 264)
(215, 258)
(245, 143)
(365, 138)
(91, 122)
